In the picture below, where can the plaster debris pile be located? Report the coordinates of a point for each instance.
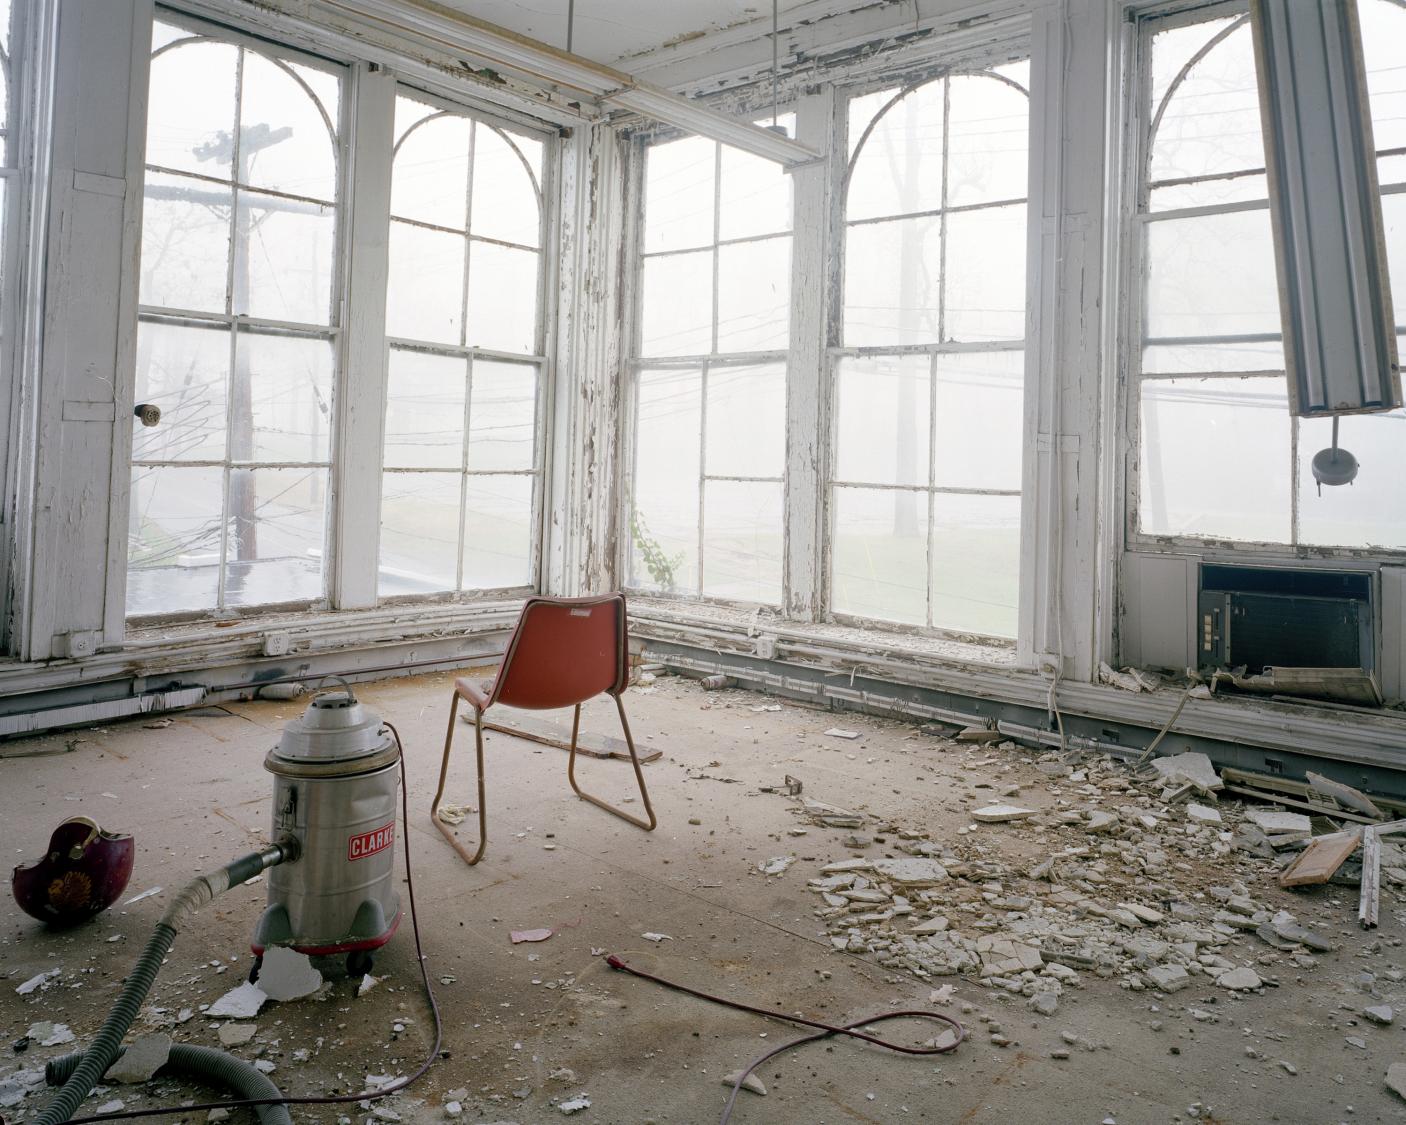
(1131, 880)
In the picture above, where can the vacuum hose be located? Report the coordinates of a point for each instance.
(107, 1045)
(215, 1068)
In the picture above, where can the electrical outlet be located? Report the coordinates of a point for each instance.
(766, 647)
(277, 644)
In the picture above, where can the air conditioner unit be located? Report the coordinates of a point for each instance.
(1291, 632)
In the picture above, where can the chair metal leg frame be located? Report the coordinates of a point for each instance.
(444, 829)
(640, 822)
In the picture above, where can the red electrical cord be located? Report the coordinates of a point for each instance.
(331, 1099)
(826, 1029)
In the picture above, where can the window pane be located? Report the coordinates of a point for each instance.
(754, 295)
(899, 169)
(1211, 275)
(425, 412)
(987, 140)
(676, 316)
(192, 100)
(976, 564)
(1197, 359)
(185, 243)
(502, 416)
(1368, 512)
(419, 533)
(184, 371)
(1211, 122)
(278, 521)
(892, 273)
(1383, 31)
(986, 274)
(1215, 459)
(664, 527)
(1394, 218)
(879, 556)
(505, 203)
(502, 298)
(881, 419)
(678, 194)
(742, 541)
(979, 422)
(173, 542)
(288, 133)
(754, 196)
(747, 421)
(497, 532)
(288, 249)
(425, 292)
(290, 394)
(430, 179)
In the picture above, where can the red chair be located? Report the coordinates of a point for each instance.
(563, 652)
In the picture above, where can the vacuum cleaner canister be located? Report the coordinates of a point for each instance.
(335, 770)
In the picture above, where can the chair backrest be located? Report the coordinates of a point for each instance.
(564, 651)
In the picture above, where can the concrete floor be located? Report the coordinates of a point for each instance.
(194, 794)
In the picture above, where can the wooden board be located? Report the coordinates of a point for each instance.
(1323, 856)
(521, 724)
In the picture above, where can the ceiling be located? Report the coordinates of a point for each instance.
(610, 30)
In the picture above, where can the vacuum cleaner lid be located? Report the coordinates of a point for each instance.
(334, 728)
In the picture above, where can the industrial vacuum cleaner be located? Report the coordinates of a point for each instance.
(330, 893)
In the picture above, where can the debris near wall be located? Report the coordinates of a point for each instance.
(1120, 875)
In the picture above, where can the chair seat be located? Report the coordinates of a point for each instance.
(475, 693)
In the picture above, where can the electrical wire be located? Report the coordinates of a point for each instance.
(332, 1099)
(825, 1029)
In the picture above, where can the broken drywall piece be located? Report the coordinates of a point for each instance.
(1190, 768)
(776, 865)
(1001, 814)
(287, 974)
(1345, 795)
(1277, 824)
(145, 894)
(749, 1082)
(911, 872)
(48, 1034)
(1202, 814)
(656, 937)
(454, 814)
(39, 980)
(368, 982)
(574, 1105)
(240, 1003)
(840, 732)
(237, 1034)
(519, 936)
(142, 1058)
(14, 1088)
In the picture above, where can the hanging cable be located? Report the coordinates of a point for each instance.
(570, 23)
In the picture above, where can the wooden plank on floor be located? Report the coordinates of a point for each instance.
(521, 724)
(1320, 860)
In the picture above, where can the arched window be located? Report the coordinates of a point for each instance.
(238, 325)
(929, 363)
(461, 489)
(1207, 373)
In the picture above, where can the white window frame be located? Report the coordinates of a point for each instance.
(1144, 24)
(903, 83)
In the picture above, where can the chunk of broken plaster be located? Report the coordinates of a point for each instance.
(287, 974)
(519, 936)
(240, 1003)
(1396, 1079)
(575, 1105)
(40, 980)
(838, 732)
(368, 982)
(1381, 1014)
(911, 872)
(1189, 767)
(142, 1058)
(1239, 980)
(1000, 814)
(751, 1082)
(656, 937)
(237, 1034)
(48, 1034)
(1202, 814)
(776, 864)
(1168, 978)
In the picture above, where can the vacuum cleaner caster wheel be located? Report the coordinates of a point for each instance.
(359, 963)
(255, 967)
